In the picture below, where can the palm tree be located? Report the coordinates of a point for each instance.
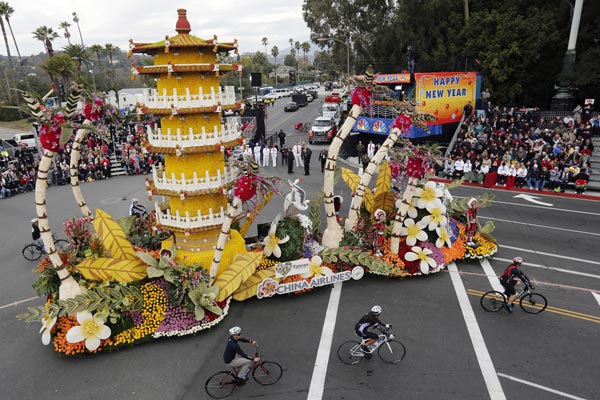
(46, 36)
(297, 47)
(305, 49)
(61, 69)
(275, 53)
(3, 10)
(78, 53)
(7, 11)
(98, 50)
(66, 25)
(265, 42)
(110, 49)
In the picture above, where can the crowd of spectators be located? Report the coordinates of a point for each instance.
(523, 149)
(18, 169)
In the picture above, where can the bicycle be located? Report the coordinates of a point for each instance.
(530, 302)
(390, 350)
(33, 251)
(223, 383)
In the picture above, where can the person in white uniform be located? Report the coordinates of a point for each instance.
(274, 155)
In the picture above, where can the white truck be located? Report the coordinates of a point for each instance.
(332, 109)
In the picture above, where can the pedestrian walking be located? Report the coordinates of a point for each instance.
(281, 136)
(323, 158)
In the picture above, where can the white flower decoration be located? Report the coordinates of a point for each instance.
(427, 193)
(422, 254)
(47, 324)
(413, 231)
(315, 269)
(437, 215)
(412, 210)
(443, 237)
(272, 242)
(91, 329)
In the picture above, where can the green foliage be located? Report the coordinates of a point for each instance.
(314, 213)
(357, 256)
(47, 283)
(292, 249)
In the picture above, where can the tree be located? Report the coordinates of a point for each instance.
(305, 49)
(290, 59)
(61, 69)
(97, 49)
(46, 36)
(265, 42)
(65, 25)
(3, 11)
(78, 53)
(275, 53)
(7, 13)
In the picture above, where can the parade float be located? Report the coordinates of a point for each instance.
(113, 290)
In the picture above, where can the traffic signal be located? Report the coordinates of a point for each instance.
(61, 91)
(292, 78)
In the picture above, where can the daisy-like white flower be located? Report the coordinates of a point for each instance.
(413, 231)
(437, 215)
(91, 329)
(47, 324)
(316, 269)
(412, 210)
(272, 242)
(428, 193)
(422, 254)
(443, 237)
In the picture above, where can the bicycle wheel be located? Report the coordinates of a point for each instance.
(267, 372)
(32, 252)
(493, 301)
(349, 353)
(220, 385)
(62, 245)
(392, 352)
(533, 303)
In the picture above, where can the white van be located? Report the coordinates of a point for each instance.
(282, 92)
(26, 139)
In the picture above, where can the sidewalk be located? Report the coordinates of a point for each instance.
(588, 195)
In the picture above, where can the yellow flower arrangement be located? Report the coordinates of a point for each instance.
(485, 249)
(265, 263)
(153, 313)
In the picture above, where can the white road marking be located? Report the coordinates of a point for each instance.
(581, 260)
(543, 208)
(532, 199)
(18, 302)
(491, 275)
(535, 385)
(317, 382)
(541, 226)
(483, 356)
(597, 297)
(567, 271)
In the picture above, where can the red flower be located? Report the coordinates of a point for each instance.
(361, 97)
(245, 188)
(415, 168)
(402, 122)
(50, 137)
(93, 111)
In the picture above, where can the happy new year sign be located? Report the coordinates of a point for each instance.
(444, 94)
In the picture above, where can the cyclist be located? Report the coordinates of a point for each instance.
(369, 320)
(136, 209)
(508, 279)
(35, 232)
(235, 357)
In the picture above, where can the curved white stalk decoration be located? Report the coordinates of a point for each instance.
(73, 168)
(333, 233)
(234, 209)
(366, 177)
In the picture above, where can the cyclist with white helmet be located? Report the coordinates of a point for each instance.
(369, 320)
(234, 356)
(136, 208)
(508, 279)
(35, 231)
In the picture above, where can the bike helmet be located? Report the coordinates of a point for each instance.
(34, 220)
(376, 310)
(236, 330)
(517, 260)
(134, 200)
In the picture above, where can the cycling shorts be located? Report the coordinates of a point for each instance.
(509, 286)
(366, 334)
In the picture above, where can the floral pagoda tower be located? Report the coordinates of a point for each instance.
(195, 177)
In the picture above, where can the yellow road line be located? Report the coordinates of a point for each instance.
(555, 310)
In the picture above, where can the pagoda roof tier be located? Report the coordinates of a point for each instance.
(179, 68)
(222, 135)
(193, 185)
(183, 41)
(188, 103)
(194, 149)
(189, 223)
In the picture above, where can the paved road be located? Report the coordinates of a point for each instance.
(556, 350)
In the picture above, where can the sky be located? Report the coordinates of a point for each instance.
(116, 21)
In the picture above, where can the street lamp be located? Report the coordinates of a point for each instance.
(76, 20)
(347, 43)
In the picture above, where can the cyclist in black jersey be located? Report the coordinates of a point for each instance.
(508, 279)
(234, 356)
(368, 321)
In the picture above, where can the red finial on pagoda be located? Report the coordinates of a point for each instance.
(183, 25)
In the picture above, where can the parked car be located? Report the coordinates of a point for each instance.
(290, 106)
(300, 99)
(323, 129)
(26, 139)
(273, 96)
(313, 93)
(309, 98)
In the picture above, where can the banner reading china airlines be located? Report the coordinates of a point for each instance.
(444, 94)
